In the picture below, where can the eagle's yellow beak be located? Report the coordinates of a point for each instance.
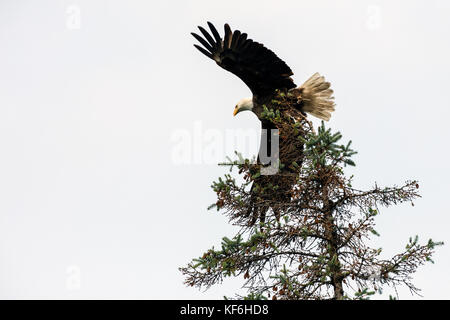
(236, 110)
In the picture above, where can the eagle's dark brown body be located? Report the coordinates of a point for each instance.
(274, 189)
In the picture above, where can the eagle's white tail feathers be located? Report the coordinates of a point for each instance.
(317, 98)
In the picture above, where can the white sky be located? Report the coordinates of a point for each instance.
(92, 204)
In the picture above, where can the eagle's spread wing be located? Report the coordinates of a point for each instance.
(260, 68)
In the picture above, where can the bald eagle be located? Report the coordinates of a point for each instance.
(267, 76)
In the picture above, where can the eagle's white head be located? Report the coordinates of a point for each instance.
(242, 105)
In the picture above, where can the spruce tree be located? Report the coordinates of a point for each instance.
(315, 247)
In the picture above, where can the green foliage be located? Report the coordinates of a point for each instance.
(255, 296)
(431, 244)
(223, 184)
(270, 114)
(323, 150)
(364, 294)
(224, 260)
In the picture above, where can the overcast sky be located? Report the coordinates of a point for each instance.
(95, 95)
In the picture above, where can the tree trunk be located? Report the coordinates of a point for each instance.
(333, 242)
